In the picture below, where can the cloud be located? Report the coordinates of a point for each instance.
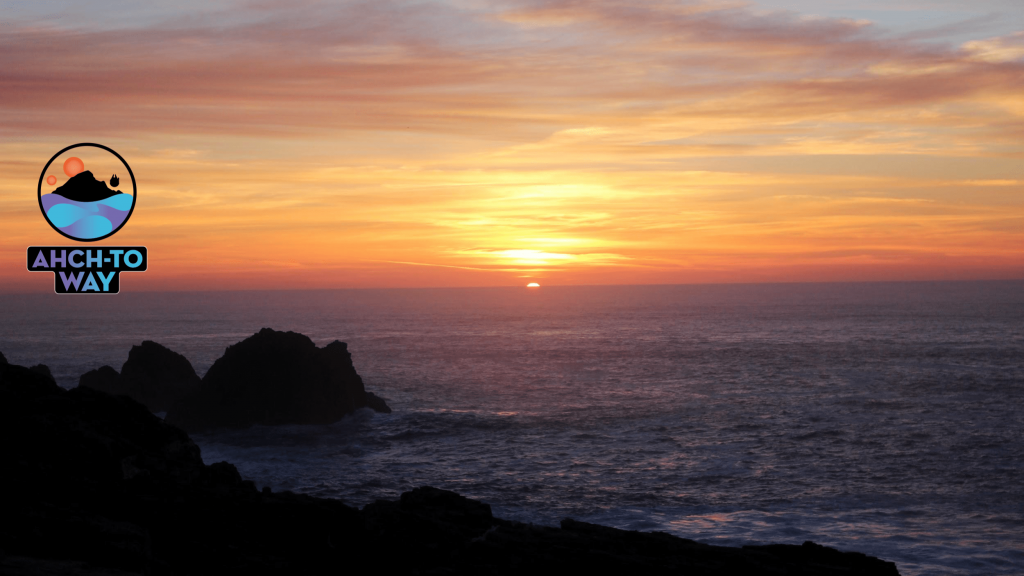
(997, 50)
(439, 69)
(539, 259)
(504, 136)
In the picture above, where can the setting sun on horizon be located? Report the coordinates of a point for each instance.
(456, 144)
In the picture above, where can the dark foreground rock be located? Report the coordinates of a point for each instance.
(44, 370)
(153, 374)
(104, 379)
(276, 378)
(96, 484)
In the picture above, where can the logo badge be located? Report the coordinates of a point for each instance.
(87, 192)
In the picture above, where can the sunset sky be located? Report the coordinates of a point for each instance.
(479, 143)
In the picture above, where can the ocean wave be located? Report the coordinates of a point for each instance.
(87, 220)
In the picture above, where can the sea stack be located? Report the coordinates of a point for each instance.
(153, 375)
(274, 378)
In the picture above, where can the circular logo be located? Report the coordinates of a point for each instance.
(84, 194)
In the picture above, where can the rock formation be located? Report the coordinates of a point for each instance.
(376, 403)
(104, 379)
(276, 378)
(154, 375)
(44, 370)
(96, 484)
(158, 377)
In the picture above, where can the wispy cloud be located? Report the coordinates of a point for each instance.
(500, 137)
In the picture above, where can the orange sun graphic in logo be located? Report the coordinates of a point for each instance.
(73, 166)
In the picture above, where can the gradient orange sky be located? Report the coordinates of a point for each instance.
(478, 143)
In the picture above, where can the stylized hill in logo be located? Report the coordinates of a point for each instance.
(84, 187)
(84, 208)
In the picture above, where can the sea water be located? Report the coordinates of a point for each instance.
(882, 418)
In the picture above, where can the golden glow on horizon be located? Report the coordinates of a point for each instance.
(533, 285)
(525, 145)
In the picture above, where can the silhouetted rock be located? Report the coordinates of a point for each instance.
(104, 379)
(158, 377)
(441, 532)
(376, 403)
(84, 187)
(44, 370)
(3, 359)
(96, 484)
(276, 378)
(154, 375)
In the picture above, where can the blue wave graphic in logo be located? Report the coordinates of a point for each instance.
(87, 220)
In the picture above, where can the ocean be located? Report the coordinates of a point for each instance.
(886, 418)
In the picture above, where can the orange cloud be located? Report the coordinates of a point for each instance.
(388, 144)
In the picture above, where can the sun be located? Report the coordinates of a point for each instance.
(73, 166)
(533, 285)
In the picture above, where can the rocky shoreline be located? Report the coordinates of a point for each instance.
(96, 484)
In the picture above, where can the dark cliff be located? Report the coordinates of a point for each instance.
(96, 484)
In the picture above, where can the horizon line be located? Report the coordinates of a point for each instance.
(766, 283)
